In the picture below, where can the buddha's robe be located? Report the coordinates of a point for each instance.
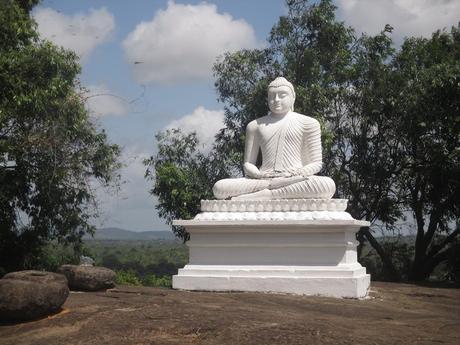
(291, 145)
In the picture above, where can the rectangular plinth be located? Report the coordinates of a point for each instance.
(309, 258)
(325, 281)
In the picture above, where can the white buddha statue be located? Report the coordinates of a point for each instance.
(291, 154)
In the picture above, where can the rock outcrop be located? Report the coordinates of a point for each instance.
(27, 295)
(88, 278)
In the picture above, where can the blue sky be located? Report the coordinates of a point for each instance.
(147, 66)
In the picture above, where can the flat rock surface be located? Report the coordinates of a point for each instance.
(394, 314)
(41, 277)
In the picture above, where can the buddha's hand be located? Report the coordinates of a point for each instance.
(301, 172)
(297, 172)
(276, 174)
(280, 182)
(252, 171)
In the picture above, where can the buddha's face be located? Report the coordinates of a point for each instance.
(280, 100)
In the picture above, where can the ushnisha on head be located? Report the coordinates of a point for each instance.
(281, 96)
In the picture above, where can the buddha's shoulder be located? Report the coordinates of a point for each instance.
(257, 122)
(306, 120)
(253, 125)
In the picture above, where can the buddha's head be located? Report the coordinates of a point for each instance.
(281, 96)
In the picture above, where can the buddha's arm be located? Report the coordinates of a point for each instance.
(312, 151)
(251, 151)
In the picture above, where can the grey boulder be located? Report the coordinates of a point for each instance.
(27, 295)
(88, 278)
(86, 261)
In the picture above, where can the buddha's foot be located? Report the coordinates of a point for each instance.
(264, 194)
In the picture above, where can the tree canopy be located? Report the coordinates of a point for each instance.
(390, 123)
(181, 175)
(50, 150)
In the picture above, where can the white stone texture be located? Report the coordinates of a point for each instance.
(290, 144)
(276, 216)
(310, 257)
(281, 232)
(280, 205)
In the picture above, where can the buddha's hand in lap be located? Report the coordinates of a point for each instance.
(293, 172)
(276, 174)
(279, 182)
(299, 172)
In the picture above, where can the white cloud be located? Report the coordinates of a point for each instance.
(182, 42)
(132, 207)
(206, 123)
(80, 32)
(102, 102)
(408, 17)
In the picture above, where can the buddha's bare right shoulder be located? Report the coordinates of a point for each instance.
(254, 124)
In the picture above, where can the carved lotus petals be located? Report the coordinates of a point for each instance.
(273, 216)
(282, 205)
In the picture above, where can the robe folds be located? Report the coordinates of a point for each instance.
(289, 145)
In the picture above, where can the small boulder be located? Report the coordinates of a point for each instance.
(86, 261)
(88, 278)
(27, 295)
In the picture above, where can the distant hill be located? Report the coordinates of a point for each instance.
(126, 235)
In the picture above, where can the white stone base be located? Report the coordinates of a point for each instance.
(316, 280)
(308, 257)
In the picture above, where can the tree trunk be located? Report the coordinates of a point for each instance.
(418, 271)
(423, 270)
(389, 269)
(360, 238)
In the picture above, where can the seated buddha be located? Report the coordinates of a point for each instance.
(290, 144)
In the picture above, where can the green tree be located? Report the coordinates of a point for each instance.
(364, 157)
(338, 80)
(427, 79)
(50, 151)
(389, 117)
(307, 46)
(182, 176)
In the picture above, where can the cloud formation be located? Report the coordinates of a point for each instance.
(129, 207)
(80, 32)
(181, 43)
(100, 101)
(408, 17)
(206, 123)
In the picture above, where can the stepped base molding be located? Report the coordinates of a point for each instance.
(300, 253)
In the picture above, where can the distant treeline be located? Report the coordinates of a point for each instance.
(154, 262)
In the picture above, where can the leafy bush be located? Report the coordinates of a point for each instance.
(54, 255)
(130, 277)
(152, 280)
(127, 278)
